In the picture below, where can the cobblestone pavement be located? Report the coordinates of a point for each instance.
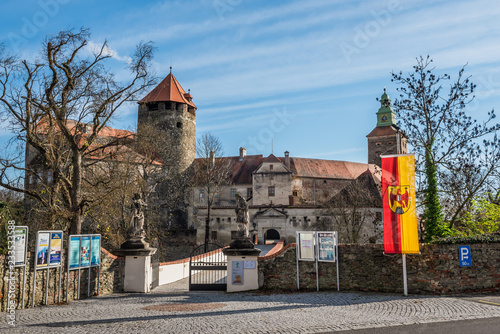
(313, 312)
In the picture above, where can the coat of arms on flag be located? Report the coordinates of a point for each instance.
(399, 199)
(399, 209)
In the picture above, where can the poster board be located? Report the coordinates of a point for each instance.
(42, 249)
(74, 252)
(20, 245)
(237, 272)
(95, 259)
(84, 251)
(306, 246)
(48, 254)
(55, 249)
(326, 250)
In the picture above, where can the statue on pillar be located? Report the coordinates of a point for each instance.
(242, 216)
(136, 228)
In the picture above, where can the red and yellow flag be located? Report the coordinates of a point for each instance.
(400, 213)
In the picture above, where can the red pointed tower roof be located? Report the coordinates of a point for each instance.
(169, 90)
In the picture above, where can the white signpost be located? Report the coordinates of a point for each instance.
(319, 247)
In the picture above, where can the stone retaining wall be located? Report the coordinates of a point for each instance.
(111, 280)
(365, 268)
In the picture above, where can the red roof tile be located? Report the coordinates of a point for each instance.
(327, 168)
(168, 90)
(271, 158)
(384, 131)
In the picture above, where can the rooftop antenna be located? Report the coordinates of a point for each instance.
(170, 69)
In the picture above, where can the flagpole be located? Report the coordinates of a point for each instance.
(405, 284)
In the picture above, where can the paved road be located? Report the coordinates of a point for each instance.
(476, 326)
(172, 309)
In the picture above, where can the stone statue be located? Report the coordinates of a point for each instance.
(242, 216)
(136, 228)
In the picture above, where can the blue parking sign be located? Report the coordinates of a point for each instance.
(465, 256)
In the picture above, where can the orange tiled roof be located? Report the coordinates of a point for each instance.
(306, 167)
(120, 152)
(168, 90)
(271, 158)
(384, 131)
(302, 167)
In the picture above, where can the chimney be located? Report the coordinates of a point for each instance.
(243, 153)
(287, 159)
(212, 159)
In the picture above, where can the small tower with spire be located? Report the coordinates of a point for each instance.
(387, 138)
(170, 113)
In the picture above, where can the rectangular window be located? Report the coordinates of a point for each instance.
(202, 193)
(217, 199)
(49, 176)
(270, 191)
(233, 192)
(295, 193)
(39, 177)
(271, 167)
(272, 177)
(249, 192)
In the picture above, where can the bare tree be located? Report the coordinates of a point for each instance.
(40, 98)
(458, 154)
(354, 210)
(211, 172)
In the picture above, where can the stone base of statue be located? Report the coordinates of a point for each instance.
(242, 265)
(137, 255)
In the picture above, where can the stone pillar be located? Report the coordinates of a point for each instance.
(242, 253)
(137, 255)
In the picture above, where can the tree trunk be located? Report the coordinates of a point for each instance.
(76, 221)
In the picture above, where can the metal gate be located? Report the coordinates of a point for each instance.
(208, 268)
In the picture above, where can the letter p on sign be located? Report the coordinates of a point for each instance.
(465, 256)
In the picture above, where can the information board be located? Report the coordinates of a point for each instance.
(84, 251)
(95, 252)
(42, 249)
(326, 246)
(306, 246)
(237, 272)
(20, 243)
(55, 249)
(74, 252)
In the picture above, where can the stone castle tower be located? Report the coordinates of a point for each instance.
(171, 111)
(387, 138)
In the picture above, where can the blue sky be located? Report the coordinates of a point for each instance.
(303, 75)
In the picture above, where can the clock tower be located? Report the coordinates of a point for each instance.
(387, 138)
(385, 114)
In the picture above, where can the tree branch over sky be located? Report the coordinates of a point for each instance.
(456, 155)
(49, 101)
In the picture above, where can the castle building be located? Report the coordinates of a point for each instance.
(285, 194)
